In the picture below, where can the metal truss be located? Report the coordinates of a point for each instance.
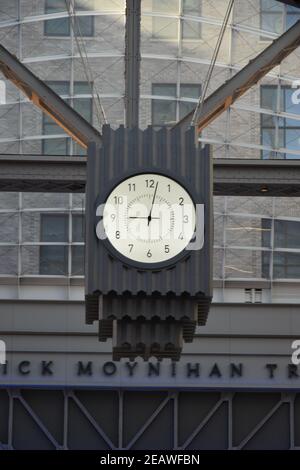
(232, 177)
(154, 419)
(83, 133)
(239, 84)
(47, 100)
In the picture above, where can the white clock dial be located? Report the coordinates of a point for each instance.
(149, 218)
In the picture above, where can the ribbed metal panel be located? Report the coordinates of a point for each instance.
(127, 151)
(161, 339)
(143, 307)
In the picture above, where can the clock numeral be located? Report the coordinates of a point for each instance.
(112, 216)
(118, 199)
(130, 247)
(181, 201)
(167, 249)
(150, 183)
(169, 188)
(131, 186)
(185, 219)
(117, 235)
(180, 236)
(149, 254)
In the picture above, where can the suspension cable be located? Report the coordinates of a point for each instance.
(101, 116)
(199, 106)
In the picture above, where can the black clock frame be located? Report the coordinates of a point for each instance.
(102, 198)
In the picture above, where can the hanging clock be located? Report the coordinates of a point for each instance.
(149, 235)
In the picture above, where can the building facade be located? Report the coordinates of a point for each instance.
(244, 353)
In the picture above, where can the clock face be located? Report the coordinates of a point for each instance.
(149, 218)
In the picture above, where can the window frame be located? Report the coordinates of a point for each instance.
(285, 13)
(51, 122)
(285, 266)
(290, 13)
(263, 12)
(277, 128)
(285, 252)
(68, 246)
(177, 99)
(181, 14)
(46, 244)
(68, 22)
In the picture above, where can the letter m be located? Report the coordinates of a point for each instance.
(85, 369)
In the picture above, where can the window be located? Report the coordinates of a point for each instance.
(287, 234)
(77, 250)
(84, 25)
(171, 108)
(277, 132)
(54, 258)
(266, 229)
(286, 264)
(84, 106)
(57, 146)
(271, 16)
(59, 26)
(276, 17)
(292, 16)
(167, 28)
(191, 29)
(190, 91)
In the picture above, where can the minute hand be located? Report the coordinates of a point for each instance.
(154, 195)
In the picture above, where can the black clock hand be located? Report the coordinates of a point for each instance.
(154, 195)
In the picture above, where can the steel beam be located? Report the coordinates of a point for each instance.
(243, 177)
(47, 100)
(230, 91)
(232, 177)
(132, 62)
(38, 173)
